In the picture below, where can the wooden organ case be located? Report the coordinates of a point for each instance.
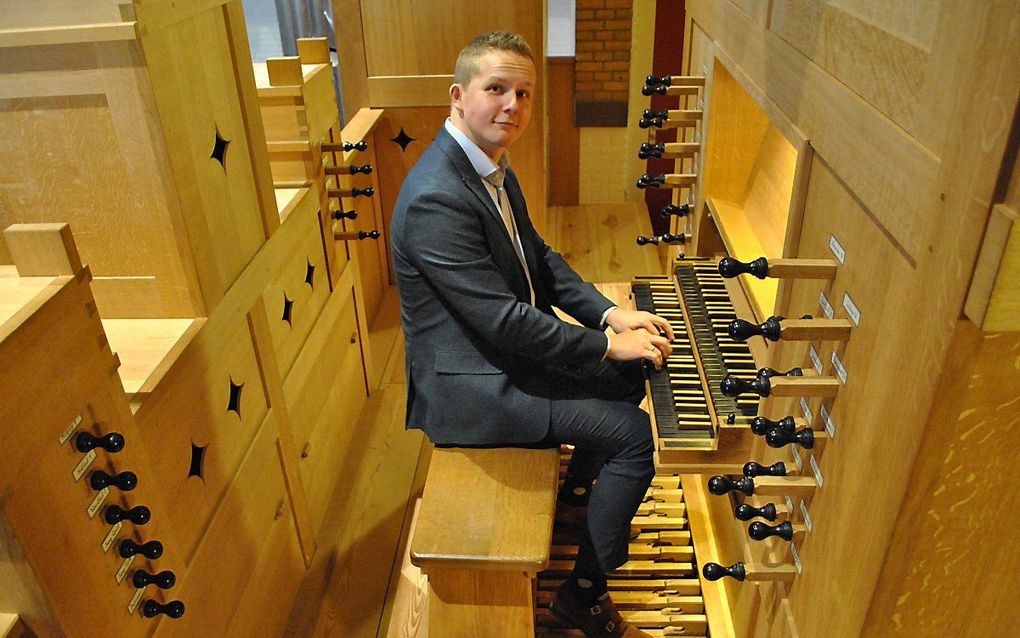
(197, 381)
(865, 155)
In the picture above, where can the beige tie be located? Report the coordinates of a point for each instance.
(496, 179)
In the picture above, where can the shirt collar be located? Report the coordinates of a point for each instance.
(479, 160)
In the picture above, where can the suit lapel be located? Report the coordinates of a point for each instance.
(474, 184)
(467, 172)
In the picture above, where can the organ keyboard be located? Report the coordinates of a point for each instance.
(689, 410)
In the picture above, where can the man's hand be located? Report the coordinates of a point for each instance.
(630, 345)
(621, 321)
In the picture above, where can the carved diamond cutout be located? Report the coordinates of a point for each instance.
(197, 460)
(403, 139)
(219, 152)
(310, 275)
(234, 404)
(288, 308)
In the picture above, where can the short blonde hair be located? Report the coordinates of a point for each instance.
(467, 62)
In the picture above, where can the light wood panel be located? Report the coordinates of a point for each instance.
(946, 527)
(77, 98)
(197, 98)
(46, 395)
(880, 54)
(891, 172)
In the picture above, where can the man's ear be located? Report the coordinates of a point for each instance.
(456, 93)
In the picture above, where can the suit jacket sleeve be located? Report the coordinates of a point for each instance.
(449, 246)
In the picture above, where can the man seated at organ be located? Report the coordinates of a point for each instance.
(488, 363)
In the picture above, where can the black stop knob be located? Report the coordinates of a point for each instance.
(358, 192)
(163, 580)
(730, 267)
(772, 372)
(760, 425)
(151, 550)
(804, 437)
(733, 386)
(651, 150)
(124, 481)
(347, 214)
(741, 330)
(645, 122)
(112, 442)
(753, 469)
(648, 91)
(651, 181)
(364, 169)
(746, 512)
(139, 514)
(357, 146)
(715, 571)
(720, 485)
(173, 609)
(372, 234)
(656, 80)
(760, 531)
(672, 209)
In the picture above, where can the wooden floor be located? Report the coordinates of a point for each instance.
(361, 583)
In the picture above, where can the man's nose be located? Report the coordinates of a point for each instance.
(510, 105)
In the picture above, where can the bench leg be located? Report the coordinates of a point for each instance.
(467, 603)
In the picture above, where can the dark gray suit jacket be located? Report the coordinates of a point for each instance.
(482, 362)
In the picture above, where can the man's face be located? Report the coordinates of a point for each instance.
(495, 107)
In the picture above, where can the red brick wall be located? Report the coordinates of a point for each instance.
(602, 58)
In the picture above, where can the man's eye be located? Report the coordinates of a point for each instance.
(495, 89)
(522, 94)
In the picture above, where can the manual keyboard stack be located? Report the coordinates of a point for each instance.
(687, 403)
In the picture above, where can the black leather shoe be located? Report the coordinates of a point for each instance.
(598, 620)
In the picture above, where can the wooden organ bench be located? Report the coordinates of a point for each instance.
(483, 533)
